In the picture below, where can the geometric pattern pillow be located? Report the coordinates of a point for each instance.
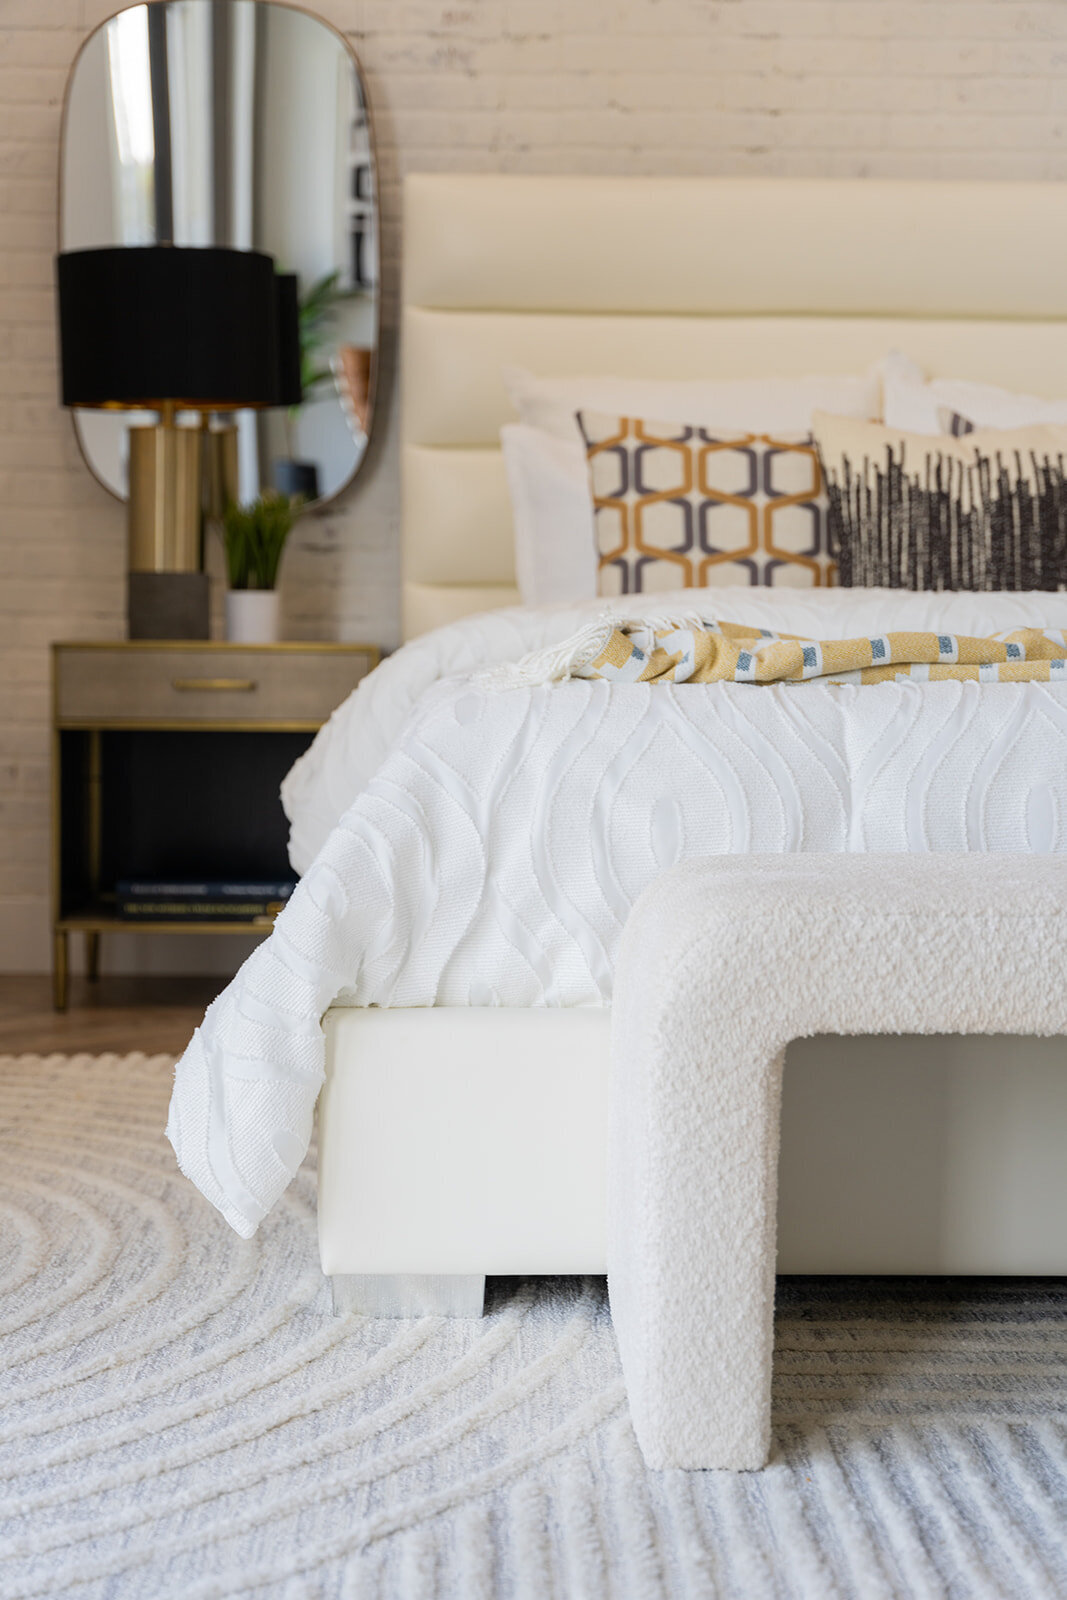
(981, 510)
(679, 507)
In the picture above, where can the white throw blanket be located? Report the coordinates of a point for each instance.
(495, 854)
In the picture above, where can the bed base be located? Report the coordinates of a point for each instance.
(459, 1142)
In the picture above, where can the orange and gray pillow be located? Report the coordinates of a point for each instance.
(678, 506)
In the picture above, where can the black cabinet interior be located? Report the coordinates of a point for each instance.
(171, 805)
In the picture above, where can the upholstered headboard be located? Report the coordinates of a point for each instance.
(687, 278)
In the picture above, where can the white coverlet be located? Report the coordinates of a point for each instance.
(495, 853)
(351, 747)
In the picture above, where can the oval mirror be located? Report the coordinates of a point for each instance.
(241, 123)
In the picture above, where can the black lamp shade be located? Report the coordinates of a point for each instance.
(145, 324)
(290, 391)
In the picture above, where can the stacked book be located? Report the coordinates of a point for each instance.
(150, 900)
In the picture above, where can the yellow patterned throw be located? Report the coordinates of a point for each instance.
(729, 652)
(694, 649)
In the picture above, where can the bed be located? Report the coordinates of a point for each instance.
(461, 1138)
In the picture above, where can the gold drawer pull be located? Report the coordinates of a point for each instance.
(224, 685)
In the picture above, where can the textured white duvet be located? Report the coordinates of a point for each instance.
(464, 846)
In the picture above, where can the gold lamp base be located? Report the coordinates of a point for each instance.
(164, 508)
(168, 595)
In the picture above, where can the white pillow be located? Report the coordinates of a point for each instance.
(739, 405)
(917, 407)
(555, 536)
(544, 455)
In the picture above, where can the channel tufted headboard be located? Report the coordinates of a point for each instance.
(688, 277)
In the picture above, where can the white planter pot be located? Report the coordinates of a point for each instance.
(252, 616)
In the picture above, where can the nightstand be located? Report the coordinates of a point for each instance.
(167, 757)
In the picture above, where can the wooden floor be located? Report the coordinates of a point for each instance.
(153, 1015)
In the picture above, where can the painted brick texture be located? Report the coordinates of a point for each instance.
(931, 88)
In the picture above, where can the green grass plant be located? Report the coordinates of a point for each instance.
(254, 537)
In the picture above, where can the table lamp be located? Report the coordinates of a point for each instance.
(167, 328)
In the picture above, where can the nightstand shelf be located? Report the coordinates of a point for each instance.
(89, 921)
(167, 759)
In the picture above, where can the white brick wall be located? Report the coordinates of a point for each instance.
(932, 88)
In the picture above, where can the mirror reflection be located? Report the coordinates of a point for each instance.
(240, 123)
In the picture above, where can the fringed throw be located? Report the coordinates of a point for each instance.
(662, 650)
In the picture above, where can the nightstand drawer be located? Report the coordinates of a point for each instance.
(161, 684)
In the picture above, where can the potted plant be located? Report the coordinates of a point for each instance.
(254, 537)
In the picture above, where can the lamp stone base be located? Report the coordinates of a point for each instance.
(168, 605)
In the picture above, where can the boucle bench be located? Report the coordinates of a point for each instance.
(723, 962)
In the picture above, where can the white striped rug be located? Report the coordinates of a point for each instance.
(181, 1417)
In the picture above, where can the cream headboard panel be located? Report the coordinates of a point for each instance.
(688, 277)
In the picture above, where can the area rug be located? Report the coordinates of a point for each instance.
(183, 1417)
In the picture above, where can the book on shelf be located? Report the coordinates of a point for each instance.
(200, 900)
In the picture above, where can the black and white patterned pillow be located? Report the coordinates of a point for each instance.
(983, 510)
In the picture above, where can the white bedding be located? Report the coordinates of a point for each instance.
(488, 845)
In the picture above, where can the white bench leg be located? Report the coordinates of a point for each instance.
(691, 1260)
(408, 1295)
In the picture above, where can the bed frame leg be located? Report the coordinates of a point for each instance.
(408, 1295)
